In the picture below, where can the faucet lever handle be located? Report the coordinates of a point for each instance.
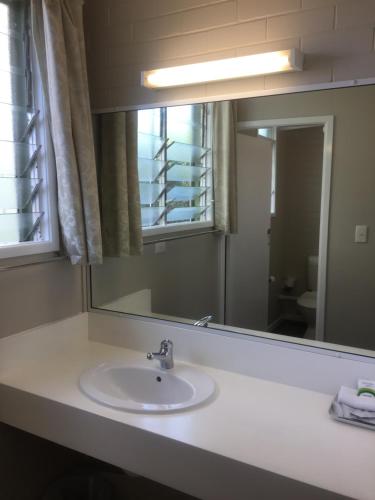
(165, 355)
(203, 321)
(166, 344)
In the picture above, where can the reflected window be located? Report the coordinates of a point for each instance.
(174, 166)
(270, 133)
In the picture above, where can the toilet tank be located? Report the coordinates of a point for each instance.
(312, 272)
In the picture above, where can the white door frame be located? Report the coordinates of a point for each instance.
(327, 123)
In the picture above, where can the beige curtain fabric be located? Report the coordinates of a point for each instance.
(119, 187)
(58, 34)
(225, 165)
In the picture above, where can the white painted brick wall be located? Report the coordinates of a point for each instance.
(301, 23)
(125, 36)
(251, 10)
(359, 13)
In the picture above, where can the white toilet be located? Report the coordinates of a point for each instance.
(307, 301)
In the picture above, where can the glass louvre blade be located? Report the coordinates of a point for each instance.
(266, 132)
(184, 123)
(14, 122)
(16, 157)
(17, 193)
(185, 214)
(184, 193)
(12, 88)
(149, 121)
(185, 173)
(148, 170)
(12, 18)
(12, 53)
(17, 228)
(149, 145)
(150, 215)
(150, 192)
(186, 153)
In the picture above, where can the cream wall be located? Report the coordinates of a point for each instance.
(36, 294)
(126, 36)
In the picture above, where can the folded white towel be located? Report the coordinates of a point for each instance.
(349, 397)
(351, 414)
(363, 415)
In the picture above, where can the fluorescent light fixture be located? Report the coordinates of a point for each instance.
(224, 69)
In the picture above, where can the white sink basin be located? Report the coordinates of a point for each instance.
(146, 389)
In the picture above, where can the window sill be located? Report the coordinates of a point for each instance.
(27, 249)
(29, 260)
(176, 228)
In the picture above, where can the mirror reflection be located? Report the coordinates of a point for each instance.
(253, 214)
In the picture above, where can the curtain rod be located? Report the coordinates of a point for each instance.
(183, 236)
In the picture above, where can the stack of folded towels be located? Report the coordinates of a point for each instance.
(356, 405)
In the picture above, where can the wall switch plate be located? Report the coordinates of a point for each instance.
(160, 247)
(361, 234)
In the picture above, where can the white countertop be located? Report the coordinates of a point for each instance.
(278, 428)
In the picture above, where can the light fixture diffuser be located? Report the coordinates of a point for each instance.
(267, 63)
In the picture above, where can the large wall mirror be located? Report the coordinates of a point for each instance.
(254, 214)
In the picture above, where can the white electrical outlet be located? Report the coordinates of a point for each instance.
(361, 234)
(160, 247)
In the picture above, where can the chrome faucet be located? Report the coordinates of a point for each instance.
(203, 321)
(165, 355)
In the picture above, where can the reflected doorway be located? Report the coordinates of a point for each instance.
(283, 203)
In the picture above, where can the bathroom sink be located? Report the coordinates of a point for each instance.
(144, 389)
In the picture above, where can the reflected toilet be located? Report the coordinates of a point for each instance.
(307, 301)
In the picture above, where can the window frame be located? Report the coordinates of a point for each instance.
(47, 195)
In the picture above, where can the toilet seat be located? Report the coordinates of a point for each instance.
(307, 299)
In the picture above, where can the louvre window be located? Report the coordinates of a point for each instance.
(24, 214)
(175, 175)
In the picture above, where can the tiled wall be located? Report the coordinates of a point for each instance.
(125, 36)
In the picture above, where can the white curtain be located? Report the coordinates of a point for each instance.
(58, 35)
(119, 184)
(225, 165)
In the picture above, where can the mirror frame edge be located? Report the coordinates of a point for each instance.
(361, 82)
